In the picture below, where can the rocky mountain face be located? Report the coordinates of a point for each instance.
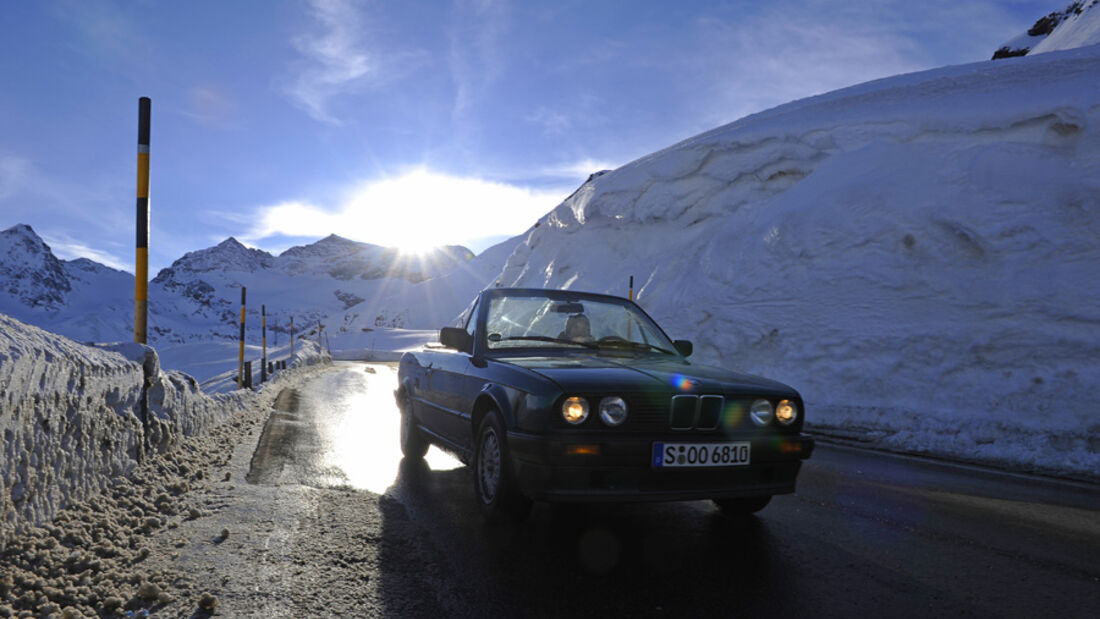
(1074, 26)
(30, 275)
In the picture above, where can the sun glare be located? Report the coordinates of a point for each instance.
(415, 212)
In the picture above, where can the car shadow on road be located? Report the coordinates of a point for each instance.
(645, 559)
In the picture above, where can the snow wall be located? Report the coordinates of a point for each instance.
(73, 417)
(917, 255)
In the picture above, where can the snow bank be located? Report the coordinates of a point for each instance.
(75, 418)
(917, 255)
(380, 344)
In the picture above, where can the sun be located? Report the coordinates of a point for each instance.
(415, 212)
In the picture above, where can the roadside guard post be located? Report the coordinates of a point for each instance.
(263, 340)
(141, 255)
(240, 354)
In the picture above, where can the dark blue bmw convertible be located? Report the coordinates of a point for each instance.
(556, 395)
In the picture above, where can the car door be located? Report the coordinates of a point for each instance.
(454, 391)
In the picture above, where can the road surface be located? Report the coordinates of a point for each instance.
(867, 534)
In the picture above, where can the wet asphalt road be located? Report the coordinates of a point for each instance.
(866, 534)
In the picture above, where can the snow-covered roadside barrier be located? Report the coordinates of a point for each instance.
(75, 418)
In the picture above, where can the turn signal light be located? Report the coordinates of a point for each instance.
(790, 448)
(582, 450)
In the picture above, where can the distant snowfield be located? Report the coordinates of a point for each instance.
(214, 363)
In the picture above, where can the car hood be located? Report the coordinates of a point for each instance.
(595, 373)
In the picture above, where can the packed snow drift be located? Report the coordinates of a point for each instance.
(75, 419)
(917, 255)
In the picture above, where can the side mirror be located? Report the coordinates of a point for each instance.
(454, 337)
(684, 347)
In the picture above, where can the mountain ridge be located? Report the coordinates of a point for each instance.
(198, 296)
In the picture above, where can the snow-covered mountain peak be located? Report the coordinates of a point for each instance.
(229, 255)
(1077, 25)
(31, 275)
(331, 245)
(23, 236)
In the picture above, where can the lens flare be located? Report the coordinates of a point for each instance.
(681, 382)
(734, 414)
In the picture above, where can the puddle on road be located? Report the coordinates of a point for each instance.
(340, 429)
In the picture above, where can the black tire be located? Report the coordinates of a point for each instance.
(740, 507)
(413, 443)
(495, 486)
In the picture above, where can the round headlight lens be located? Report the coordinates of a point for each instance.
(786, 412)
(574, 410)
(613, 410)
(761, 412)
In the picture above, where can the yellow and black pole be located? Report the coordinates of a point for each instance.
(629, 322)
(141, 269)
(292, 338)
(263, 341)
(240, 354)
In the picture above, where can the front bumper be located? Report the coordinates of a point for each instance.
(621, 469)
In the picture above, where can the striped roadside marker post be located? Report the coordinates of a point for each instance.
(292, 337)
(141, 255)
(630, 323)
(240, 354)
(263, 341)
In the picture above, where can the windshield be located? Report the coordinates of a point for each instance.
(575, 322)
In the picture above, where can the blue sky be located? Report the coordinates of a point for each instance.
(402, 122)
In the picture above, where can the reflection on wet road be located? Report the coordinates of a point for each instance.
(866, 534)
(340, 430)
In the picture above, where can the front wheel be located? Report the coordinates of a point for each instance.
(734, 508)
(494, 481)
(413, 443)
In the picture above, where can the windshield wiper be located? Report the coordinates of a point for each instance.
(635, 345)
(544, 338)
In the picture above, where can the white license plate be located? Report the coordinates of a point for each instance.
(676, 455)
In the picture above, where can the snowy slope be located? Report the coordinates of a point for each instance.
(918, 255)
(1079, 28)
(1077, 25)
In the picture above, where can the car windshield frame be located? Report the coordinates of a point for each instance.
(514, 322)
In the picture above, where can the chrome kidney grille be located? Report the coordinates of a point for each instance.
(706, 414)
(692, 412)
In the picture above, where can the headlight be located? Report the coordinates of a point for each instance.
(761, 412)
(574, 410)
(613, 410)
(786, 412)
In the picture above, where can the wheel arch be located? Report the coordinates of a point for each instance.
(492, 397)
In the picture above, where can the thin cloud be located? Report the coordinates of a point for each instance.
(415, 210)
(551, 121)
(67, 248)
(777, 56)
(13, 175)
(209, 106)
(579, 169)
(335, 59)
(477, 54)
